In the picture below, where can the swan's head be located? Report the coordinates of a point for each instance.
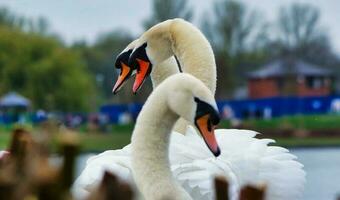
(190, 99)
(121, 64)
(152, 48)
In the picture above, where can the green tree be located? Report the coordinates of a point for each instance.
(299, 25)
(100, 58)
(167, 9)
(7, 18)
(42, 69)
(301, 35)
(237, 36)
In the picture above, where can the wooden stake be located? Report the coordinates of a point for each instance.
(252, 193)
(221, 188)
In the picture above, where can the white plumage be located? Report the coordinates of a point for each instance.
(244, 160)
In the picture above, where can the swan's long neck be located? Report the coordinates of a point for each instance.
(150, 160)
(163, 70)
(194, 52)
(158, 75)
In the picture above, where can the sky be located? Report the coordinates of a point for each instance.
(85, 19)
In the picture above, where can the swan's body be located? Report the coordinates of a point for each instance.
(244, 159)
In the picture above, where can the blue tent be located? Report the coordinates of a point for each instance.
(13, 99)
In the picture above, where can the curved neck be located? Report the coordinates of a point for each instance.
(194, 52)
(150, 159)
(158, 75)
(163, 70)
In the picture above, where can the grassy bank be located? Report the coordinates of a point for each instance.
(308, 142)
(101, 142)
(119, 136)
(306, 122)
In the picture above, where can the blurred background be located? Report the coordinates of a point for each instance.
(278, 71)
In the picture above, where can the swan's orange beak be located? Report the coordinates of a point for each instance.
(207, 130)
(125, 73)
(142, 73)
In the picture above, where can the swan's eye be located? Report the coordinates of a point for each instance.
(204, 108)
(140, 61)
(123, 58)
(125, 70)
(205, 119)
(209, 124)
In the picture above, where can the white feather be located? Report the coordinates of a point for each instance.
(244, 160)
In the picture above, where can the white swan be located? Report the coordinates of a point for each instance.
(244, 159)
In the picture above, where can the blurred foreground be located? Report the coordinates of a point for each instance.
(28, 172)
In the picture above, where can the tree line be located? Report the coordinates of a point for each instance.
(36, 63)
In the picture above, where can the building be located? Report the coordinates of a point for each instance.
(289, 77)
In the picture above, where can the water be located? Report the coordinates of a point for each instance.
(323, 172)
(321, 164)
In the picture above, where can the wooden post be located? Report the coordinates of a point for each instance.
(221, 188)
(69, 153)
(252, 193)
(112, 188)
(7, 188)
(69, 150)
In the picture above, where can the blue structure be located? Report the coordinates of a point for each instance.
(113, 111)
(13, 99)
(279, 106)
(243, 109)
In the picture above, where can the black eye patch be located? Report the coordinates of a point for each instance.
(123, 58)
(139, 53)
(204, 108)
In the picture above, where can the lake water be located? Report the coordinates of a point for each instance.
(323, 172)
(321, 164)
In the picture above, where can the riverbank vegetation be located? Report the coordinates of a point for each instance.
(294, 131)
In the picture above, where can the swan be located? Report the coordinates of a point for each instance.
(243, 158)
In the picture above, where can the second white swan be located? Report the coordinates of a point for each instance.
(243, 160)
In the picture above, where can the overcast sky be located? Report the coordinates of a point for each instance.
(85, 19)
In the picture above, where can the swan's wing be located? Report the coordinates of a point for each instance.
(195, 167)
(253, 161)
(115, 161)
(244, 160)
